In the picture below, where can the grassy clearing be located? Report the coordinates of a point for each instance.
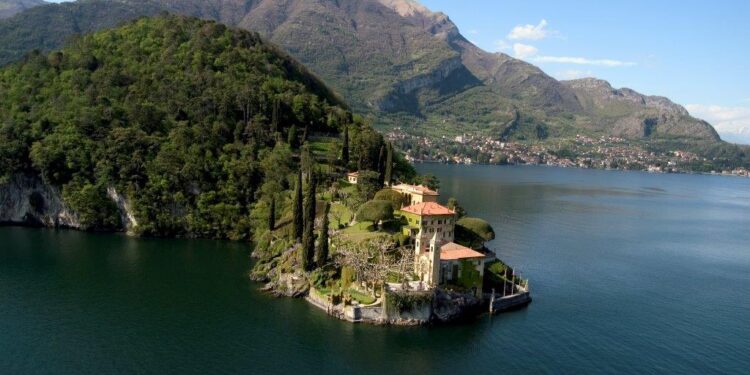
(340, 215)
(362, 298)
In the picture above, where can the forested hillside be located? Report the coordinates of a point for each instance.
(190, 120)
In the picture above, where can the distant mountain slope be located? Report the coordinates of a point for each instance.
(631, 114)
(394, 58)
(8, 8)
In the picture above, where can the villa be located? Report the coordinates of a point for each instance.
(439, 260)
(416, 194)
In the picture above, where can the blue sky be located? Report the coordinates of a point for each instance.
(694, 52)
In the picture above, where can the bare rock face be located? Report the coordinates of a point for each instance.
(451, 306)
(127, 215)
(27, 200)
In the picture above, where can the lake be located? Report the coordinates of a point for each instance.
(630, 272)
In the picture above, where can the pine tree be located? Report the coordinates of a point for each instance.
(308, 235)
(298, 222)
(389, 165)
(272, 215)
(292, 137)
(321, 254)
(345, 147)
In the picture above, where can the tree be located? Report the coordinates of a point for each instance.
(453, 205)
(381, 165)
(321, 254)
(368, 183)
(292, 137)
(473, 232)
(375, 211)
(388, 175)
(397, 199)
(430, 181)
(308, 235)
(345, 147)
(272, 215)
(298, 222)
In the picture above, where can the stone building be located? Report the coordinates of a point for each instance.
(438, 260)
(416, 194)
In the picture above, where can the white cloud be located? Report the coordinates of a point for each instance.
(573, 74)
(473, 32)
(524, 51)
(502, 45)
(582, 61)
(730, 122)
(530, 32)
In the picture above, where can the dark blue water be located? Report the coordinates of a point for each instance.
(630, 272)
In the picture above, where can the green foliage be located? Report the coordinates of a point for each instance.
(455, 206)
(368, 184)
(297, 207)
(429, 180)
(407, 301)
(95, 210)
(174, 112)
(470, 276)
(397, 199)
(388, 174)
(473, 232)
(375, 211)
(308, 234)
(321, 254)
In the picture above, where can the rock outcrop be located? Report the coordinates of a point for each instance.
(27, 200)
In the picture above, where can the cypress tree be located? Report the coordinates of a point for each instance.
(381, 165)
(345, 148)
(272, 215)
(308, 235)
(389, 165)
(292, 137)
(298, 223)
(321, 254)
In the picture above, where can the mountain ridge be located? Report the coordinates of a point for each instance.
(9, 8)
(405, 63)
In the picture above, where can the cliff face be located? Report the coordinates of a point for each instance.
(27, 200)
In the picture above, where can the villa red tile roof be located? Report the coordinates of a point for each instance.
(428, 209)
(454, 251)
(353, 174)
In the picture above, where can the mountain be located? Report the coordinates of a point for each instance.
(398, 60)
(163, 126)
(9, 8)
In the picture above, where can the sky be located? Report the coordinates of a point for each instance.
(693, 52)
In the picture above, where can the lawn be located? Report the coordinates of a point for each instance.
(361, 231)
(340, 215)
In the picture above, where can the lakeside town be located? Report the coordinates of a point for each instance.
(605, 152)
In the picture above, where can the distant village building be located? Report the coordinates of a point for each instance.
(352, 177)
(416, 194)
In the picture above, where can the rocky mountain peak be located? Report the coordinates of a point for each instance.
(407, 8)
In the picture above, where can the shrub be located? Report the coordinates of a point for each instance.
(375, 211)
(397, 199)
(474, 232)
